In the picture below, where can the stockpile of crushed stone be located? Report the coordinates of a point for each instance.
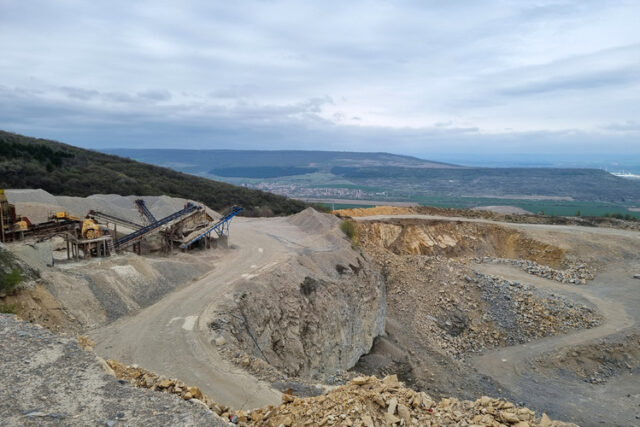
(368, 401)
(38, 205)
(312, 221)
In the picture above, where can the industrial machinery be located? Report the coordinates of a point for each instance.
(89, 229)
(221, 227)
(12, 227)
(136, 236)
(114, 220)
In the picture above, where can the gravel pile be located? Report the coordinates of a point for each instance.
(522, 313)
(575, 274)
(39, 204)
(50, 380)
(368, 401)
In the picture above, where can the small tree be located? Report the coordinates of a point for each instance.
(578, 212)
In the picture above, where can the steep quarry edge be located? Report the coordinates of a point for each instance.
(311, 316)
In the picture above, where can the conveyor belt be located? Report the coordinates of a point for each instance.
(110, 218)
(218, 227)
(129, 239)
(144, 211)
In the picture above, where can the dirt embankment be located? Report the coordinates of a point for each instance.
(457, 239)
(313, 314)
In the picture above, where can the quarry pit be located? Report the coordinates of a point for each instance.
(544, 315)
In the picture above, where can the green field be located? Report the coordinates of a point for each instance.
(549, 207)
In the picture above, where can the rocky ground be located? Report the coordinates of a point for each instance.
(441, 311)
(50, 380)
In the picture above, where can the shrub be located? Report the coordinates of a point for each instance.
(348, 227)
(9, 308)
(9, 282)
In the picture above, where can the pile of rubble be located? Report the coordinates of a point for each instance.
(575, 274)
(142, 378)
(368, 401)
(522, 313)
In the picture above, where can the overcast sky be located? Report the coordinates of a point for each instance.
(417, 77)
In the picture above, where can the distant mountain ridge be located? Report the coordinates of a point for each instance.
(385, 176)
(201, 161)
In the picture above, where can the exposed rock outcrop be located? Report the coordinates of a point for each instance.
(314, 314)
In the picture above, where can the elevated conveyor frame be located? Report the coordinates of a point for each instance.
(221, 227)
(137, 235)
(115, 220)
(144, 211)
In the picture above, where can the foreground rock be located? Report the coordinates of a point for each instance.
(49, 380)
(368, 401)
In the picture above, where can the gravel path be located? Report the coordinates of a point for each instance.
(49, 380)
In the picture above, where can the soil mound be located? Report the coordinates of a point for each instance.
(456, 239)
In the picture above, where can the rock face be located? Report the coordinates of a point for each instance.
(311, 316)
(455, 239)
(49, 380)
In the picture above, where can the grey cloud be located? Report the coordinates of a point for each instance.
(155, 95)
(79, 93)
(627, 126)
(583, 81)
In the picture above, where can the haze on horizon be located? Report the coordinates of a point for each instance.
(439, 80)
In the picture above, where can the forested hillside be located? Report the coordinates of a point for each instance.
(63, 169)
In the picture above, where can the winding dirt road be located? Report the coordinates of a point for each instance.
(172, 338)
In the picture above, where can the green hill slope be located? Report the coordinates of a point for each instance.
(63, 169)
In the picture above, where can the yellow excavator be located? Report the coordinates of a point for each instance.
(90, 229)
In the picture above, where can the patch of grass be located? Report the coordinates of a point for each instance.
(9, 282)
(350, 230)
(9, 308)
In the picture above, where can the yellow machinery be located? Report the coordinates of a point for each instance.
(66, 215)
(90, 229)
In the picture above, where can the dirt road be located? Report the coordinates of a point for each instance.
(171, 337)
